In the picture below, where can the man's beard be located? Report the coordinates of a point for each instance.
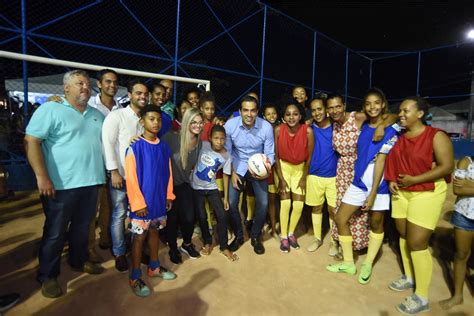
(81, 100)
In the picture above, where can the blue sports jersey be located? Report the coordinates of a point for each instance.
(324, 159)
(367, 150)
(153, 173)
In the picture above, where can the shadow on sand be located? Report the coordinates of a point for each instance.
(111, 295)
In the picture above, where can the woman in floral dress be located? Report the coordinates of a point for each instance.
(346, 131)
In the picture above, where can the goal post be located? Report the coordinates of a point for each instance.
(72, 64)
(44, 78)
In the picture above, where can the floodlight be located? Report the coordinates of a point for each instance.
(470, 34)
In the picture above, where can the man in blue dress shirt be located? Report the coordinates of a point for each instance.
(247, 135)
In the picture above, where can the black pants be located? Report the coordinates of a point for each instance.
(73, 208)
(182, 214)
(214, 198)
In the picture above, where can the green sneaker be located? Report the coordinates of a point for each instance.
(342, 267)
(161, 272)
(139, 288)
(365, 273)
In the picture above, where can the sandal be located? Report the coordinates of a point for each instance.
(206, 250)
(233, 258)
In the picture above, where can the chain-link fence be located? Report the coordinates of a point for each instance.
(443, 75)
(240, 46)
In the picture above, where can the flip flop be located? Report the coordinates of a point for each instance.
(205, 252)
(233, 258)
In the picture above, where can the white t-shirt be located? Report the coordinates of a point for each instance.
(209, 162)
(96, 103)
(465, 204)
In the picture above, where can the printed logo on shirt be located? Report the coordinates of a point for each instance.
(207, 167)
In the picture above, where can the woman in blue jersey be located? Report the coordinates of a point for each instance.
(368, 191)
(321, 180)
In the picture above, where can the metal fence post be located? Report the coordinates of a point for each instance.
(176, 47)
(314, 63)
(24, 63)
(346, 93)
(418, 75)
(471, 104)
(263, 52)
(370, 73)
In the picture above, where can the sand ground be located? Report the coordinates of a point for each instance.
(273, 284)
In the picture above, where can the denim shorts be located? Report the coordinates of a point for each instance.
(462, 222)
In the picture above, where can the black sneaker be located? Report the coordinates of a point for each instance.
(235, 244)
(8, 301)
(104, 245)
(257, 246)
(51, 289)
(121, 263)
(175, 256)
(293, 242)
(90, 268)
(190, 251)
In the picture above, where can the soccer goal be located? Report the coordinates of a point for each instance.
(38, 78)
(44, 78)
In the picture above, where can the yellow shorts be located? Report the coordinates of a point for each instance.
(273, 188)
(292, 175)
(420, 208)
(220, 184)
(318, 188)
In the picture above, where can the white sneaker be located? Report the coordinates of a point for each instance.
(315, 244)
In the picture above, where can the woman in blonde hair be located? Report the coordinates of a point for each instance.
(185, 145)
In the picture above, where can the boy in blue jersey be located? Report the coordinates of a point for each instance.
(150, 193)
(321, 181)
(368, 191)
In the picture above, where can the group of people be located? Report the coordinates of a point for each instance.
(172, 167)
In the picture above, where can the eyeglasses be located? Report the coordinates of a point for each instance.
(194, 123)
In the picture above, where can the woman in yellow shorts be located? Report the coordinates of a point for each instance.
(294, 143)
(416, 168)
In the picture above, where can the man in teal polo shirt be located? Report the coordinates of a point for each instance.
(63, 145)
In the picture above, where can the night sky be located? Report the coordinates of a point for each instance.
(385, 25)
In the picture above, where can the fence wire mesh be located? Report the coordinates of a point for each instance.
(240, 46)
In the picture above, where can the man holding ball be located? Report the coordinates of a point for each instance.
(247, 135)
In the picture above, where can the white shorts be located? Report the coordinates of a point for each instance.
(356, 196)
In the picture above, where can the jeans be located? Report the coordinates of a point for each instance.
(73, 208)
(103, 221)
(214, 198)
(119, 203)
(260, 188)
(182, 214)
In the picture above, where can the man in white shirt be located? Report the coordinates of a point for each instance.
(118, 128)
(105, 102)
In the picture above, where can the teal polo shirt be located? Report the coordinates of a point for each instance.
(72, 144)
